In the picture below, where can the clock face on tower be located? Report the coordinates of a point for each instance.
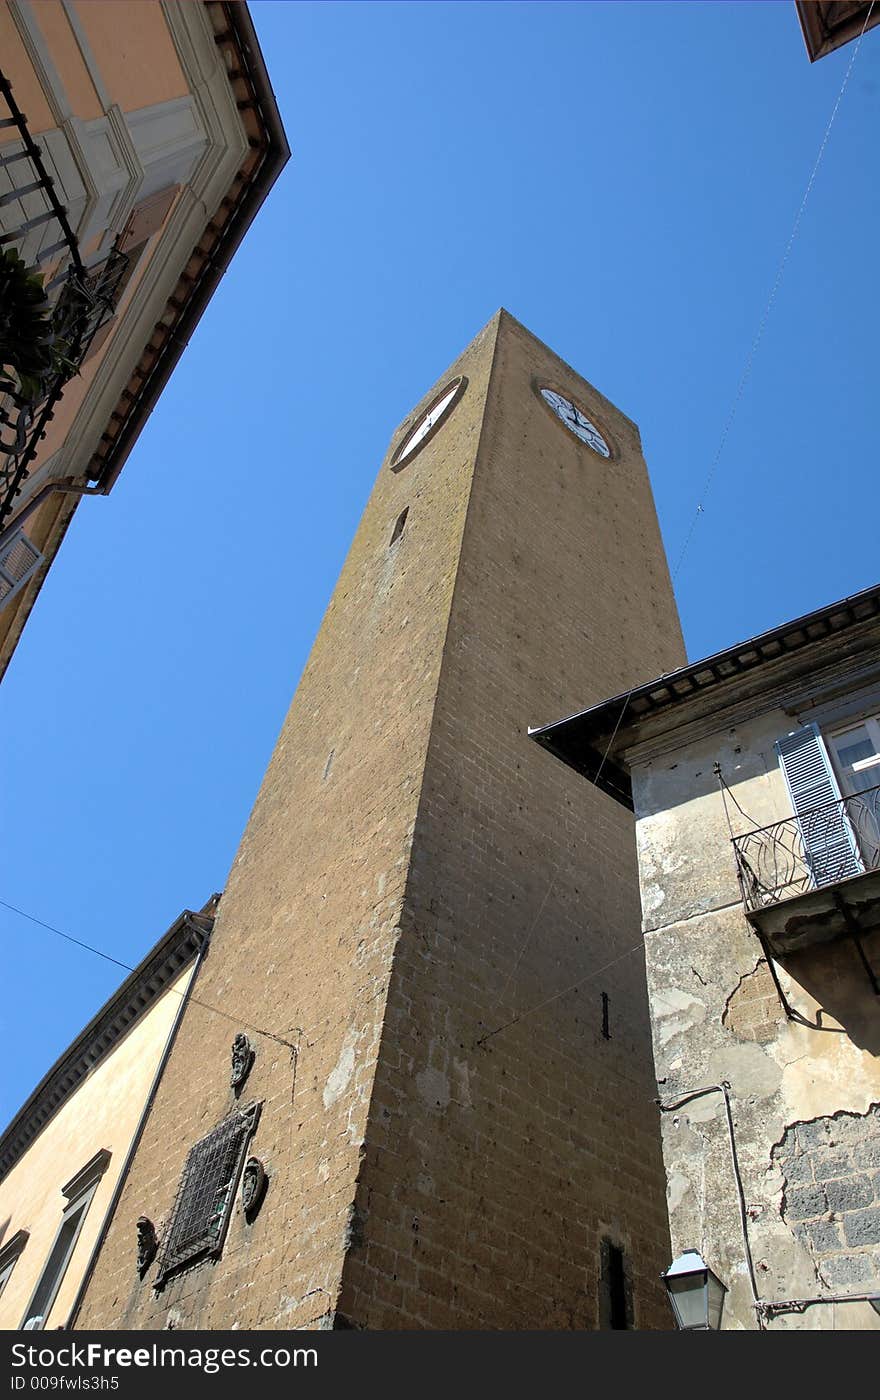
(430, 420)
(576, 421)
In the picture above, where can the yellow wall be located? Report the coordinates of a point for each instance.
(134, 50)
(25, 83)
(130, 43)
(102, 1113)
(62, 45)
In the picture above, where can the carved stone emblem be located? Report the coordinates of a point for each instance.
(253, 1186)
(147, 1244)
(242, 1059)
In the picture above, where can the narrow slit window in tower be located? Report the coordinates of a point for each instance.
(399, 524)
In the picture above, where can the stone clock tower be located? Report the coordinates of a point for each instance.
(451, 1138)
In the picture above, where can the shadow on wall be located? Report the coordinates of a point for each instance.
(834, 976)
(685, 776)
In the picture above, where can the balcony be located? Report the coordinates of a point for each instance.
(63, 315)
(815, 876)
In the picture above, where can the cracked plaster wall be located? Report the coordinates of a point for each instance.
(796, 1087)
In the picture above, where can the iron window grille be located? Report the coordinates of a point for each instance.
(203, 1205)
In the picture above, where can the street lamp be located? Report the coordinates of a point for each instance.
(696, 1294)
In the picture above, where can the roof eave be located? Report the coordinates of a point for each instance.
(592, 740)
(821, 39)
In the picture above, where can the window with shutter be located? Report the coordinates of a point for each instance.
(19, 560)
(203, 1206)
(829, 848)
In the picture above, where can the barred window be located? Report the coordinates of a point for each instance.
(203, 1206)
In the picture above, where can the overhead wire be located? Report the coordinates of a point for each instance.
(99, 953)
(481, 1040)
(762, 325)
(750, 358)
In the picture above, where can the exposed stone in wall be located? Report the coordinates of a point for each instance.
(831, 1197)
(753, 1010)
(823, 1066)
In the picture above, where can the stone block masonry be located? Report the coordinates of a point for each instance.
(416, 872)
(831, 1199)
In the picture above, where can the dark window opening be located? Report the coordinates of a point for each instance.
(9, 1255)
(615, 1290)
(606, 1028)
(56, 1265)
(399, 525)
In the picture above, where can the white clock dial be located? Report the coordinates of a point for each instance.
(576, 421)
(439, 408)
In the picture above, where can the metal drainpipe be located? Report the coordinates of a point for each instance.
(724, 1089)
(67, 484)
(68, 1326)
(765, 1308)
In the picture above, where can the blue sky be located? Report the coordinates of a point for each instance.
(624, 179)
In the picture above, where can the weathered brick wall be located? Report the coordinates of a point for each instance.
(409, 850)
(494, 1169)
(310, 918)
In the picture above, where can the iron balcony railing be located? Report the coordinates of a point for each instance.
(34, 222)
(811, 851)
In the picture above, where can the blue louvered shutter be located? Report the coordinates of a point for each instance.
(829, 848)
(19, 559)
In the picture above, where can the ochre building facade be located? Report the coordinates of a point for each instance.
(138, 139)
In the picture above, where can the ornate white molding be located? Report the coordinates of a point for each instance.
(211, 91)
(128, 157)
(88, 57)
(107, 165)
(198, 142)
(169, 140)
(26, 23)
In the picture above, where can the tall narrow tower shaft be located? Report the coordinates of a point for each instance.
(438, 923)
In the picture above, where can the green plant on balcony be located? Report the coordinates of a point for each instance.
(32, 350)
